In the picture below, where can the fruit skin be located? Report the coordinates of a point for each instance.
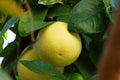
(56, 45)
(25, 73)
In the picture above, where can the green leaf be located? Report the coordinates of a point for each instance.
(108, 9)
(86, 17)
(49, 2)
(93, 46)
(107, 3)
(38, 21)
(63, 18)
(42, 67)
(1, 43)
(37, 25)
(75, 76)
(5, 35)
(71, 2)
(59, 10)
(8, 24)
(10, 49)
(85, 71)
(54, 78)
(4, 75)
(84, 64)
(39, 13)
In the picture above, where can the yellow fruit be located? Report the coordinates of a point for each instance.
(56, 45)
(25, 73)
(11, 7)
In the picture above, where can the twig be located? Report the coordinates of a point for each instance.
(31, 20)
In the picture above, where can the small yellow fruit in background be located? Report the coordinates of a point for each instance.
(24, 72)
(56, 45)
(11, 7)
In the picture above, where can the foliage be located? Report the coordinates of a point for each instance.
(89, 18)
(4, 76)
